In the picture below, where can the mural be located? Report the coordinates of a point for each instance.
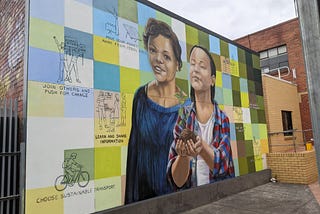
(108, 85)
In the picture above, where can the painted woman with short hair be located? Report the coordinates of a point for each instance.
(154, 112)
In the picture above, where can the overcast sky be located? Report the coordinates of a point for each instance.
(232, 18)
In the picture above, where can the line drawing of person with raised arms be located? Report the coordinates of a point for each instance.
(63, 59)
(205, 155)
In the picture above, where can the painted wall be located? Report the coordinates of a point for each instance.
(86, 59)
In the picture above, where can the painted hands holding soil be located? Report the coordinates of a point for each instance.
(189, 147)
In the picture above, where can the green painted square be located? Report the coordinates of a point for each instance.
(251, 86)
(217, 61)
(145, 77)
(128, 10)
(107, 162)
(255, 131)
(243, 166)
(141, 30)
(243, 70)
(248, 59)
(183, 85)
(260, 102)
(241, 56)
(204, 40)
(163, 17)
(227, 96)
(239, 131)
(42, 32)
(241, 148)
(254, 115)
(129, 79)
(263, 131)
(84, 157)
(235, 83)
(251, 164)
(249, 148)
(107, 198)
(189, 46)
(191, 36)
(224, 48)
(183, 73)
(256, 61)
(261, 116)
(247, 131)
(236, 98)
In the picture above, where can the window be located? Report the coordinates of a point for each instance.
(287, 122)
(274, 58)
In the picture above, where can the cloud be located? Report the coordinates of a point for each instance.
(232, 18)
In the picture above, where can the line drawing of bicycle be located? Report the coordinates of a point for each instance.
(81, 177)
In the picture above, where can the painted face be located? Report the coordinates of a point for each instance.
(162, 58)
(200, 70)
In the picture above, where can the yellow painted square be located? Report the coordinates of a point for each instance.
(263, 131)
(234, 67)
(42, 32)
(106, 50)
(247, 131)
(129, 80)
(45, 101)
(237, 115)
(108, 193)
(107, 162)
(245, 100)
(44, 200)
(219, 79)
(258, 163)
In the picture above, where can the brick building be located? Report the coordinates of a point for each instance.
(280, 49)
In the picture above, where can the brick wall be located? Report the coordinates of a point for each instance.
(281, 95)
(286, 33)
(298, 168)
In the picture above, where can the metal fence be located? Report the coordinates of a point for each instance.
(9, 157)
(295, 145)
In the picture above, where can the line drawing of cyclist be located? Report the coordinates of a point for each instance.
(71, 167)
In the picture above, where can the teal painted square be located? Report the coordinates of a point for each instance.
(242, 70)
(235, 83)
(255, 131)
(128, 10)
(243, 85)
(111, 7)
(106, 76)
(232, 132)
(254, 115)
(260, 102)
(243, 165)
(239, 131)
(224, 49)
(78, 43)
(226, 81)
(251, 164)
(84, 157)
(214, 45)
(261, 116)
(241, 146)
(227, 97)
(233, 52)
(249, 148)
(144, 64)
(236, 167)
(203, 39)
(241, 55)
(236, 97)
(219, 95)
(144, 13)
(145, 77)
(251, 86)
